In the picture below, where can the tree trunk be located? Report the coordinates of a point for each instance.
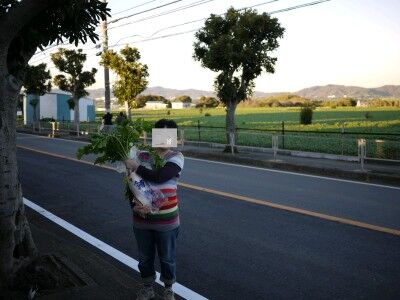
(16, 244)
(34, 119)
(128, 110)
(230, 125)
(76, 115)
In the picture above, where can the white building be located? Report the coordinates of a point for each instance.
(180, 105)
(362, 103)
(155, 105)
(55, 105)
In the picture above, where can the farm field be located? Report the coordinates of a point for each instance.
(380, 127)
(380, 120)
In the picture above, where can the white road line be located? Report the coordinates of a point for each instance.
(50, 138)
(294, 173)
(118, 255)
(267, 169)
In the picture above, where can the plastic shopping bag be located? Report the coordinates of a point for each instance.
(143, 191)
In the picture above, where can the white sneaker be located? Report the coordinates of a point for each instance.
(169, 294)
(146, 293)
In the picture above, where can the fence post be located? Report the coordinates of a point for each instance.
(182, 133)
(379, 150)
(283, 134)
(232, 142)
(275, 145)
(198, 129)
(145, 137)
(341, 137)
(361, 152)
(53, 128)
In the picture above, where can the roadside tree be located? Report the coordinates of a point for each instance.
(74, 80)
(25, 26)
(143, 99)
(306, 114)
(183, 99)
(37, 82)
(209, 102)
(132, 75)
(238, 46)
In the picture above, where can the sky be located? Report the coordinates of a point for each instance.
(347, 42)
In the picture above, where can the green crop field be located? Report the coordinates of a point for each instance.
(380, 120)
(356, 122)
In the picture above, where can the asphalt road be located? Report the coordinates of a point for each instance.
(373, 204)
(230, 249)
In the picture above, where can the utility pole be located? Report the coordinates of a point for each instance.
(107, 100)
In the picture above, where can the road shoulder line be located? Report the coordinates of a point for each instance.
(115, 253)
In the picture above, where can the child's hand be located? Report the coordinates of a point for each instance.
(131, 164)
(141, 209)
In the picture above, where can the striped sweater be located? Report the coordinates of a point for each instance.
(167, 218)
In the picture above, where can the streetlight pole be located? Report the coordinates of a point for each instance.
(107, 96)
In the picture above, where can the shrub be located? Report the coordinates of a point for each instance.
(142, 99)
(168, 112)
(184, 99)
(207, 115)
(47, 120)
(276, 104)
(208, 102)
(306, 114)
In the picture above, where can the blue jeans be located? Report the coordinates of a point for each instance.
(148, 242)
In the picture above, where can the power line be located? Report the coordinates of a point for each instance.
(64, 44)
(200, 2)
(189, 22)
(271, 13)
(158, 37)
(125, 10)
(49, 47)
(59, 45)
(194, 4)
(193, 30)
(144, 11)
(202, 19)
(298, 6)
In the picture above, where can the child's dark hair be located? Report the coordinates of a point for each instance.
(164, 123)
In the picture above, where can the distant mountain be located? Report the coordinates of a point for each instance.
(332, 91)
(172, 93)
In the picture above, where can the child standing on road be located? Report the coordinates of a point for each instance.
(158, 230)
